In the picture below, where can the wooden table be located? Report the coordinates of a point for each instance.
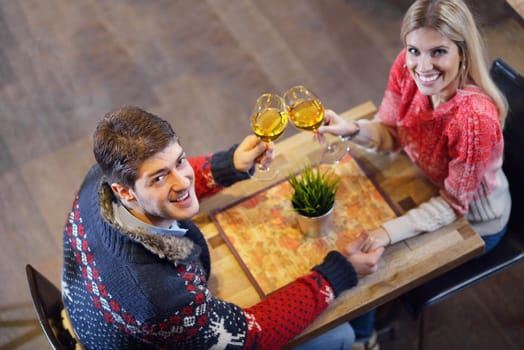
(404, 265)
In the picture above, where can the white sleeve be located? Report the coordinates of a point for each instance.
(428, 216)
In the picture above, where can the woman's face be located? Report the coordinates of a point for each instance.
(434, 62)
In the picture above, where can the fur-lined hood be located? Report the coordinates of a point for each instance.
(173, 248)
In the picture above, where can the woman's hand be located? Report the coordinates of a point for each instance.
(250, 151)
(376, 238)
(364, 262)
(334, 124)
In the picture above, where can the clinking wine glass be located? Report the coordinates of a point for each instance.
(306, 112)
(268, 121)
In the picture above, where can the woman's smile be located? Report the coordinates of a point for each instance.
(428, 78)
(433, 61)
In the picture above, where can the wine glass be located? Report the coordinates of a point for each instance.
(306, 112)
(268, 121)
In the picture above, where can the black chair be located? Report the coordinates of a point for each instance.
(510, 250)
(48, 304)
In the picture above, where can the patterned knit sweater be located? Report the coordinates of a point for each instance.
(458, 145)
(127, 289)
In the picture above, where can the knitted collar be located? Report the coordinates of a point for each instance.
(171, 247)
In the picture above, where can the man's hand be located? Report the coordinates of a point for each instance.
(365, 263)
(250, 151)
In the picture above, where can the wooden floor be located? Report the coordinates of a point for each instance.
(201, 65)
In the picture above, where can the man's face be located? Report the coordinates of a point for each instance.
(165, 188)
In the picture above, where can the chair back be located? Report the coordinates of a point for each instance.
(511, 83)
(47, 301)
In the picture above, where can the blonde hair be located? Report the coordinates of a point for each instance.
(453, 19)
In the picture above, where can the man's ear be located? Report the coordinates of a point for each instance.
(123, 192)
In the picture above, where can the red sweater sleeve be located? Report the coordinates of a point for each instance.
(476, 145)
(286, 313)
(215, 171)
(205, 184)
(391, 103)
(275, 321)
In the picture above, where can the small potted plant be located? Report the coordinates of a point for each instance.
(314, 199)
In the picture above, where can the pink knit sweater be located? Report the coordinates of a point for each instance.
(459, 146)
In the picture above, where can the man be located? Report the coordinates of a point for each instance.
(136, 268)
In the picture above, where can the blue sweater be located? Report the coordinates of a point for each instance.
(133, 289)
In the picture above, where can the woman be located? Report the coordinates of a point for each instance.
(441, 108)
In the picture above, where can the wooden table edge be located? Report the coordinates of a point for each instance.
(471, 241)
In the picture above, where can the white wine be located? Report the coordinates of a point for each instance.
(269, 124)
(307, 114)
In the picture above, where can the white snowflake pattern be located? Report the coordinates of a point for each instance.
(224, 337)
(328, 292)
(252, 322)
(65, 291)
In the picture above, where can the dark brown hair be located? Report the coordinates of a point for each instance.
(125, 138)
